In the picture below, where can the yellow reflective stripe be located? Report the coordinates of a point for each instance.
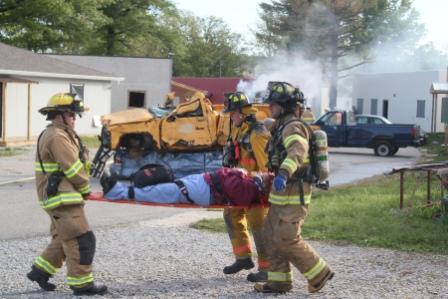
(76, 281)
(48, 166)
(315, 270)
(62, 198)
(290, 165)
(294, 137)
(73, 170)
(280, 276)
(45, 265)
(288, 199)
(85, 189)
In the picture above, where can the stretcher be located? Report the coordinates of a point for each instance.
(98, 196)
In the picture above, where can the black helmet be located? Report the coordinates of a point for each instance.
(286, 95)
(235, 101)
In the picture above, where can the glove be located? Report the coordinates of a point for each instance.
(279, 182)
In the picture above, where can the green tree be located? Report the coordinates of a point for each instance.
(49, 25)
(132, 28)
(335, 31)
(210, 48)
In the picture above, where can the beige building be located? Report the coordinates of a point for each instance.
(28, 80)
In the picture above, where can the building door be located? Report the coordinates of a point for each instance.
(1, 110)
(385, 108)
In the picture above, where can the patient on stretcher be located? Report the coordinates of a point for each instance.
(224, 186)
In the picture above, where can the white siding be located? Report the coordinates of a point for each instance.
(402, 90)
(149, 75)
(16, 110)
(96, 97)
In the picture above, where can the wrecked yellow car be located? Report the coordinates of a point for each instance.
(196, 126)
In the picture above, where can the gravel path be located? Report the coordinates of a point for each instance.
(165, 258)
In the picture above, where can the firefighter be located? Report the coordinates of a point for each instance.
(62, 181)
(245, 148)
(308, 115)
(290, 197)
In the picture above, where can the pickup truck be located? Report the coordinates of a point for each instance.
(343, 131)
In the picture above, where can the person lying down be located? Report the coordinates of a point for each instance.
(225, 186)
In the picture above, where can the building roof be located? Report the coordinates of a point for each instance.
(216, 86)
(19, 62)
(439, 88)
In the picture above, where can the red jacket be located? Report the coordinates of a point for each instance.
(234, 187)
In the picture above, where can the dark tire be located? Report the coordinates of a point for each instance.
(383, 149)
(395, 150)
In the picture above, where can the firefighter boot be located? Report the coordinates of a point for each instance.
(315, 286)
(273, 288)
(239, 265)
(41, 277)
(108, 180)
(91, 289)
(260, 276)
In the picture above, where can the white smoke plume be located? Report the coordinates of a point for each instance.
(294, 69)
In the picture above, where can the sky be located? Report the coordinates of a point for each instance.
(242, 16)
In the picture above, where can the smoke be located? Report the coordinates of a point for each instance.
(291, 68)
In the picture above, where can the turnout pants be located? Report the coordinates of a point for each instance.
(237, 221)
(285, 245)
(72, 242)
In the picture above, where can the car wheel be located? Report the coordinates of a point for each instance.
(383, 149)
(395, 150)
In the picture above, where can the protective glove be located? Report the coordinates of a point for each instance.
(279, 182)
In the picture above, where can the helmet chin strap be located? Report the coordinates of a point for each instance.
(63, 119)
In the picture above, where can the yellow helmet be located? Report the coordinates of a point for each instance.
(63, 102)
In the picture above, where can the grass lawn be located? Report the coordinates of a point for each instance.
(434, 148)
(12, 151)
(367, 214)
(91, 141)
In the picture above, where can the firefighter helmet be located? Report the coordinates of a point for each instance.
(63, 102)
(235, 101)
(286, 95)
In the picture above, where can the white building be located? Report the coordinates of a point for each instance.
(146, 80)
(28, 80)
(400, 97)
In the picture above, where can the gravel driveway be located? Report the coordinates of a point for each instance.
(164, 259)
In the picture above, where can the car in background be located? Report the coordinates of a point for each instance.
(367, 119)
(343, 130)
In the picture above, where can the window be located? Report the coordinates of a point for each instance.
(362, 120)
(78, 90)
(420, 108)
(136, 99)
(373, 106)
(333, 119)
(377, 121)
(359, 106)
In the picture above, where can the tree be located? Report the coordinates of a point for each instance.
(132, 28)
(209, 48)
(336, 31)
(49, 25)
